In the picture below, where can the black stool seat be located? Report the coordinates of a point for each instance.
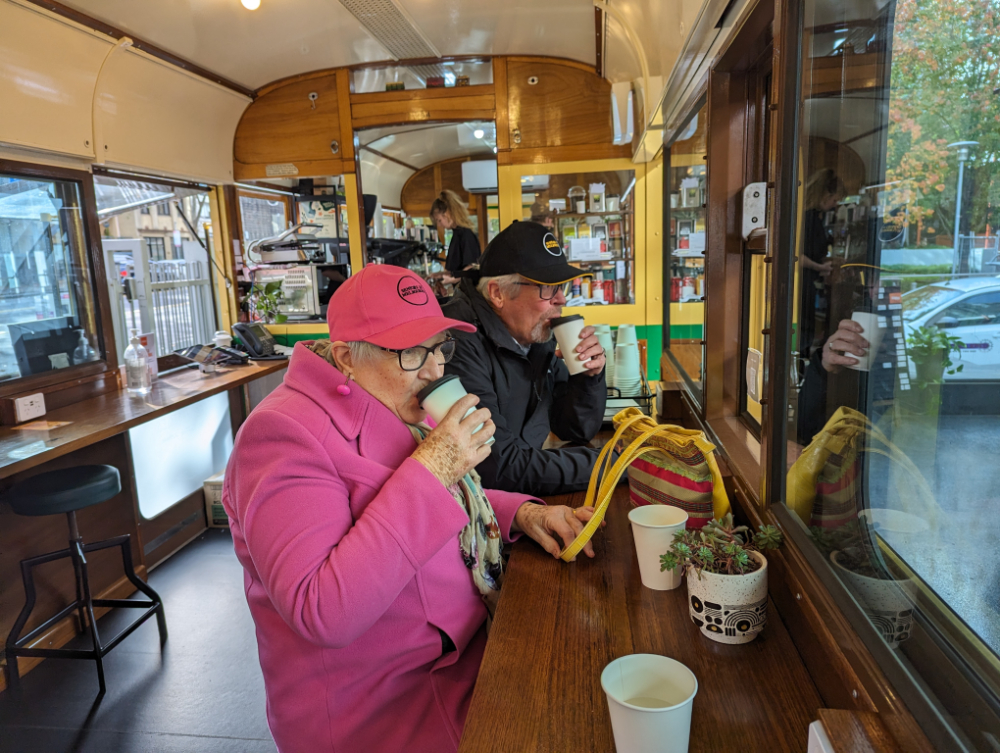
(65, 490)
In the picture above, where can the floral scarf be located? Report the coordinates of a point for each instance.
(480, 541)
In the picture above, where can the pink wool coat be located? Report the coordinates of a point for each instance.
(353, 569)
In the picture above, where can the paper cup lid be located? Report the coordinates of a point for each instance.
(559, 320)
(426, 391)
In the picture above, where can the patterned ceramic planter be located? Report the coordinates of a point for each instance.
(887, 603)
(729, 608)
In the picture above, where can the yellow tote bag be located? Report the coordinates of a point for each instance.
(647, 438)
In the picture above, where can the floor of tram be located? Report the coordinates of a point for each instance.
(204, 692)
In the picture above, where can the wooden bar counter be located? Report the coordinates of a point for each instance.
(558, 625)
(96, 431)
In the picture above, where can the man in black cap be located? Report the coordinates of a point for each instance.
(512, 365)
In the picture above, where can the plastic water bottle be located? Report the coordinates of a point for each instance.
(136, 367)
(84, 352)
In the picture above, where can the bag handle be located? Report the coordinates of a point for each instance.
(609, 480)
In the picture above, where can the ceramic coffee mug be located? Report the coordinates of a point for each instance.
(438, 397)
(567, 331)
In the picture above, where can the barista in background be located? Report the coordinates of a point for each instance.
(449, 213)
(542, 216)
(824, 190)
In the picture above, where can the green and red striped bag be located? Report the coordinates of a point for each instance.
(683, 474)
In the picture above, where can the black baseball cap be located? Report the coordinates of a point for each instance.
(530, 250)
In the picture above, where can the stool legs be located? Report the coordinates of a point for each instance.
(16, 644)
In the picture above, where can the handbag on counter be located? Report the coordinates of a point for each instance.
(689, 477)
(684, 473)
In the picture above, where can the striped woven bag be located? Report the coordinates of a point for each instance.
(683, 474)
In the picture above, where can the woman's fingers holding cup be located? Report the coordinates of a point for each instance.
(461, 407)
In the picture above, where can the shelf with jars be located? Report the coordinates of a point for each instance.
(592, 216)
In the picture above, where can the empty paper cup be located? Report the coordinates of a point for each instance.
(873, 333)
(604, 338)
(650, 698)
(627, 376)
(567, 331)
(626, 334)
(438, 397)
(653, 528)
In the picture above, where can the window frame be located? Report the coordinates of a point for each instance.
(695, 391)
(107, 363)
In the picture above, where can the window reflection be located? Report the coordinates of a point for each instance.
(686, 242)
(895, 402)
(46, 299)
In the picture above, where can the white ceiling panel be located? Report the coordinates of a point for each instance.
(281, 38)
(423, 145)
(561, 28)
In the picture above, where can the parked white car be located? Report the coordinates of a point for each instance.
(967, 308)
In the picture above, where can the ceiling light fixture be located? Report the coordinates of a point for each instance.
(479, 133)
(251, 4)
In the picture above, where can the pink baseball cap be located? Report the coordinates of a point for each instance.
(387, 306)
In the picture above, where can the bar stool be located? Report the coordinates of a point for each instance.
(66, 491)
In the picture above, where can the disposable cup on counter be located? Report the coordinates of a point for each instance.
(650, 698)
(653, 529)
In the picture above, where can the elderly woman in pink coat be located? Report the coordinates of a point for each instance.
(372, 554)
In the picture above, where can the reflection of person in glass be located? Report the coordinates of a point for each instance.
(823, 191)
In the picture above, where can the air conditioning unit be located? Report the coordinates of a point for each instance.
(480, 176)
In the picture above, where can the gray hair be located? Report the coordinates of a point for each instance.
(361, 351)
(508, 285)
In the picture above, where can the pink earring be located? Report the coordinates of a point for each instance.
(344, 389)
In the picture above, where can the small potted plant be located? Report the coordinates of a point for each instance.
(265, 302)
(930, 349)
(886, 600)
(727, 577)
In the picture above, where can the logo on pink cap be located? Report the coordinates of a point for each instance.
(411, 291)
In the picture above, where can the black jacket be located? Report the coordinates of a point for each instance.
(528, 397)
(463, 250)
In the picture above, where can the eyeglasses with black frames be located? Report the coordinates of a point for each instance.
(413, 359)
(548, 292)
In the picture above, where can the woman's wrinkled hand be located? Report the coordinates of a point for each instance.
(452, 449)
(544, 523)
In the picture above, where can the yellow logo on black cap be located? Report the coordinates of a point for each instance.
(552, 245)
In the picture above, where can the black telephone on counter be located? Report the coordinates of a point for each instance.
(257, 341)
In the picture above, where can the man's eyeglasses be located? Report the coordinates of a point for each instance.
(548, 292)
(413, 359)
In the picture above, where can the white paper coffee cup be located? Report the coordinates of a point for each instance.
(653, 528)
(438, 397)
(873, 333)
(650, 698)
(567, 331)
(626, 334)
(628, 378)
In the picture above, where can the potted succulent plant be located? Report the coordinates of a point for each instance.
(886, 600)
(727, 577)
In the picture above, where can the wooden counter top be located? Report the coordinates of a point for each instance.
(559, 625)
(98, 418)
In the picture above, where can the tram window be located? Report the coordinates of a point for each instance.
(158, 270)
(595, 227)
(262, 216)
(47, 306)
(685, 197)
(892, 476)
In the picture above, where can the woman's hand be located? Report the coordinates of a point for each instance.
(842, 343)
(543, 523)
(452, 449)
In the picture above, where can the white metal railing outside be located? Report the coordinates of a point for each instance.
(180, 300)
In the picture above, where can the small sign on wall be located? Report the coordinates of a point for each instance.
(754, 360)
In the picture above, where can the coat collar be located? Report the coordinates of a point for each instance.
(487, 320)
(358, 415)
